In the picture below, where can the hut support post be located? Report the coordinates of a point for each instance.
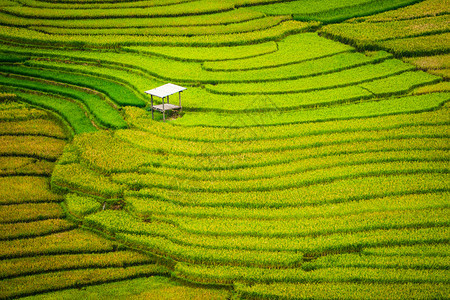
(164, 111)
(151, 97)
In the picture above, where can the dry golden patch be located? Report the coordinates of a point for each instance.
(444, 73)
(431, 62)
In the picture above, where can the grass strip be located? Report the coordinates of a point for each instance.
(116, 92)
(68, 110)
(104, 113)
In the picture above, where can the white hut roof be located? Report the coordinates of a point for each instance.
(165, 90)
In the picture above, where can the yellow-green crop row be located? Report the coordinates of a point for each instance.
(246, 26)
(228, 274)
(226, 17)
(120, 225)
(349, 290)
(372, 32)
(360, 9)
(33, 229)
(14, 111)
(411, 31)
(143, 122)
(367, 109)
(150, 142)
(217, 232)
(152, 161)
(80, 205)
(309, 177)
(74, 241)
(313, 226)
(202, 255)
(180, 9)
(23, 189)
(34, 146)
(332, 192)
(428, 44)
(346, 77)
(270, 252)
(208, 53)
(352, 260)
(292, 49)
(399, 84)
(100, 4)
(419, 250)
(17, 165)
(427, 8)
(320, 66)
(30, 212)
(75, 177)
(35, 126)
(40, 264)
(20, 286)
(25, 35)
(147, 207)
(303, 164)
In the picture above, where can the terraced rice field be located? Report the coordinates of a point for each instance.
(310, 160)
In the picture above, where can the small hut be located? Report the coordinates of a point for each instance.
(163, 92)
